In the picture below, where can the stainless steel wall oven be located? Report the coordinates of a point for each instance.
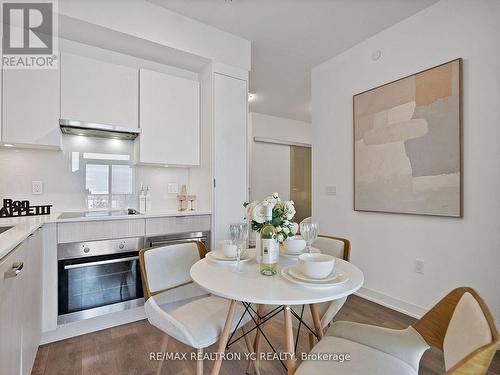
(98, 277)
(101, 277)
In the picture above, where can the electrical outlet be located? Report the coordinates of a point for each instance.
(418, 266)
(36, 187)
(173, 188)
(331, 190)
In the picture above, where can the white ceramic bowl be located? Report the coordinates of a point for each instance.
(316, 266)
(294, 245)
(229, 249)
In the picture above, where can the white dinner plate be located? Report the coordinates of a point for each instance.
(218, 254)
(285, 254)
(341, 278)
(295, 272)
(214, 257)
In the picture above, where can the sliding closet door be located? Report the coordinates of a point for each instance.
(300, 181)
(230, 128)
(270, 170)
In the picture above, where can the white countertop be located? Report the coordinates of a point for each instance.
(152, 214)
(23, 226)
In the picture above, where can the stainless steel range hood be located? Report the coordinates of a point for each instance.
(92, 129)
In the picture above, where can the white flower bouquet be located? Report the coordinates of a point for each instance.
(283, 213)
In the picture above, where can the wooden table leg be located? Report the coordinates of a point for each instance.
(316, 321)
(223, 338)
(289, 344)
(250, 349)
(311, 341)
(256, 342)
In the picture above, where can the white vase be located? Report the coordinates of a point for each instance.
(257, 247)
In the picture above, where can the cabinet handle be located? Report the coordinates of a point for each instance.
(14, 271)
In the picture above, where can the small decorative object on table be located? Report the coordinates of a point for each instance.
(13, 208)
(282, 216)
(309, 229)
(239, 235)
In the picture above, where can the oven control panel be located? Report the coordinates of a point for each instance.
(102, 247)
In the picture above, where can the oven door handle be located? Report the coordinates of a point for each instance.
(98, 263)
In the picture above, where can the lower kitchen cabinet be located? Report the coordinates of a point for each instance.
(179, 224)
(11, 311)
(21, 306)
(32, 301)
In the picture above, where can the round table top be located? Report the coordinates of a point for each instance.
(250, 286)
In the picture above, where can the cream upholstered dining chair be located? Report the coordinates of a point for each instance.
(340, 248)
(460, 325)
(196, 321)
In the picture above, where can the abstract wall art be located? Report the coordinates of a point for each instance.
(407, 144)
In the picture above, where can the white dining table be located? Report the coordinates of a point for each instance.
(249, 286)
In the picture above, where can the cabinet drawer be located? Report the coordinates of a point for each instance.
(177, 224)
(99, 230)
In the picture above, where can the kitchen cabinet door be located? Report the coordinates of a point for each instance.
(31, 108)
(169, 120)
(230, 127)
(98, 91)
(32, 301)
(11, 311)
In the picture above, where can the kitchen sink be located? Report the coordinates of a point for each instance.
(4, 229)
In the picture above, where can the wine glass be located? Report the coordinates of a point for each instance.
(309, 231)
(239, 235)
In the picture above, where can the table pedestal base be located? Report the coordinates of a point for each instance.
(259, 320)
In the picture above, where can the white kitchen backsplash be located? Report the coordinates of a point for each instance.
(88, 173)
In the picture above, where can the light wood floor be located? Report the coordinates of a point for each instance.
(125, 349)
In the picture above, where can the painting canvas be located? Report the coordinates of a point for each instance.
(407, 144)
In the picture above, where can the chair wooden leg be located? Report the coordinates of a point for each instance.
(223, 338)
(316, 321)
(311, 341)
(199, 362)
(289, 344)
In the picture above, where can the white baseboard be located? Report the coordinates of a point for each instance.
(92, 325)
(401, 306)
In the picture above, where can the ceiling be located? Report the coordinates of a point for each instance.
(290, 37)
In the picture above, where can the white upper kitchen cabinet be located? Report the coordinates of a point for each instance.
(169, 120)
(99, 92)
(30, 108)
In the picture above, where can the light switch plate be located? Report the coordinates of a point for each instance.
(331, 190)
(173, 188)
(36, 187)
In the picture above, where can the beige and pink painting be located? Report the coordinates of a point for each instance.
(407, 144)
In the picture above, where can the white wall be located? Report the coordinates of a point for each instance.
(270, 163)
(457, 252)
